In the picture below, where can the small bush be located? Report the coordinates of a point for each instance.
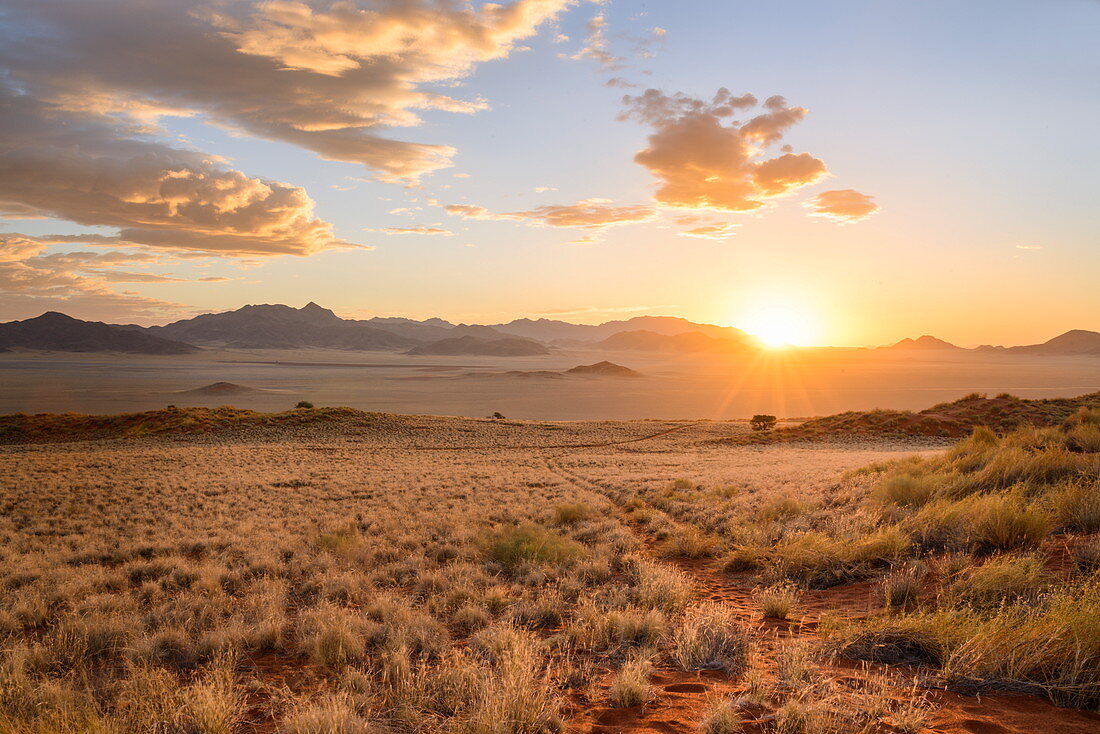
(1076, 506)
(303, 405)
(724, 717)
(901, 589)
(711, 637)
(777, 600)
(571, 513)
(1000, 579)
(1087, 556)
(1005, 522)
(656, 586)
(793, 663)
(530, 543)
(688, 542)
(630, 686)
(333, 715)
(782, 508)
(906, 490)
(762, 422)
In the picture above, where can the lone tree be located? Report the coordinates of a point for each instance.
(762, 422)
(304, 405)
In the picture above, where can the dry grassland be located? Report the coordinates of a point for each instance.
(372, 573)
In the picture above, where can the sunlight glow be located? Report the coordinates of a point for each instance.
(780, 325)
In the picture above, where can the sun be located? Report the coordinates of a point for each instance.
(780, 325)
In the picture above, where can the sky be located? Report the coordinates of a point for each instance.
(841, 173)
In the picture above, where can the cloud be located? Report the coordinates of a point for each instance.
(704, 159)
(717, 231)
(619, 83)
(86, 170)
(842, 205)
(471, 211)
(595, 44)
(331, 76)
(584, 214)
(80, 282)
(1029, 247)
(19, 247)
(418, 230)
(587, 214)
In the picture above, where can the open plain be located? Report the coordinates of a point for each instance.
(357, 572)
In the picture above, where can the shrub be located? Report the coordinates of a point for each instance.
(1000, 579)
(781, 508)
(793, 663)
(515, 694)
(744, 558)
(656, 586)
(940, 525)
(1076, 506)
(338, 540)
(711, 637)
(1087, 556)
(901, 588)
(1005, 522)
(630, 686)
(920, 639)
(688, 542)
(303, 405)
(213, 705)
(723, 717)
(332, 715)
(1084, 437)
(571, 513)
(762, 422)
(777, 600)
(812, 559)
(1054, 645)
(906, 490)
(530, 543)
(332, 636)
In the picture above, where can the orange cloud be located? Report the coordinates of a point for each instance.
(718, 231)
(65, 165)
(843, 205)
(418, 230)
(325, 75)
(31, 282)
(701, 161)
(585, 214)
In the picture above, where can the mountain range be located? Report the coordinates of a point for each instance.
(276, 326)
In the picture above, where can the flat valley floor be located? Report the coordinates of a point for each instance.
(390, 523)
(786, 384)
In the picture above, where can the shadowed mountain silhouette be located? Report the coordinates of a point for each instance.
(549, 330)
(57, 332)
(1075, 341)
(924, 342)
(281, 327)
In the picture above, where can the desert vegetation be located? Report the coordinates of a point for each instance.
(371, 572)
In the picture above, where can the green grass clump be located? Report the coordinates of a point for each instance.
(571, 513)
(531, 544)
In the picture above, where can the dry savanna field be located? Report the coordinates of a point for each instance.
(330, 571)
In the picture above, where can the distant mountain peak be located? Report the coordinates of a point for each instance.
(923, 342)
